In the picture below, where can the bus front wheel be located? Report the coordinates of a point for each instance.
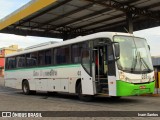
(25, 88)
(82, 97)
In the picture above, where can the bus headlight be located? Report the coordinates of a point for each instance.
(121, 75)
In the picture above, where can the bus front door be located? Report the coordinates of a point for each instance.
(101, 69)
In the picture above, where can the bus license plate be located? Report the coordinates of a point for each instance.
(142, 87)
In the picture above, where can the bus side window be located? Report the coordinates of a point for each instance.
(62, 55)
(56, 56)
(20, 61)
(28, 60)
(66, 54)
(48, 57)
(7, 64)
(41, 57)
(11, 63)
(76, 53)
(31, 59)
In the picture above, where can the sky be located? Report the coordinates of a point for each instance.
(152, 36)
(8, 6)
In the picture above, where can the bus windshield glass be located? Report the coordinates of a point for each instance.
(134, 55)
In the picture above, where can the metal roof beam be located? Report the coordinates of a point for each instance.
(41, 13)
(26, 32)
(126, 8)
(129, 2)
(29, 27)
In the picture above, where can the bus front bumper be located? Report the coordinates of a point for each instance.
(129, 89)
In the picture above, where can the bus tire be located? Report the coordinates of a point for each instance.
(33, 92)
(25, 88)
(82, 97)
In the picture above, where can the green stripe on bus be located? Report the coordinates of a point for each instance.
(128, 89)
(48, 67)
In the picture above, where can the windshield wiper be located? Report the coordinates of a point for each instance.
(142, 61)
(145, 64)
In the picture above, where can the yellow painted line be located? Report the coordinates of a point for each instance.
(27, 10)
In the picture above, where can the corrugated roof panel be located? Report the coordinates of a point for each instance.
(93, 19)
(138, 2)
(79, 2)
(63, 9)
(114, 20)
(105, 15)
(81, 13)
(155, 9)
(146, 3)
(44, 18)
(96, 7)
(104, 23)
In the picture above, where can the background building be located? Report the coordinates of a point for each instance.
(5, 51)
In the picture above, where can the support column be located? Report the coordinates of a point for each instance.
(65, 36)
(129, 22)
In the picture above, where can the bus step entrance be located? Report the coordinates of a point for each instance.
(102, 84)
(105, 90)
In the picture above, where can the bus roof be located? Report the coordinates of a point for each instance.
(72, 41)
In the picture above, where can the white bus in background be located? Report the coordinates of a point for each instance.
(105, 63)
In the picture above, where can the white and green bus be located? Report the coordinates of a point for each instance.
(105, 63)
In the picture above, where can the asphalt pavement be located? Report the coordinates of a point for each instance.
(14, 100)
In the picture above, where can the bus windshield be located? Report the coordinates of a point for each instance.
(134, 55)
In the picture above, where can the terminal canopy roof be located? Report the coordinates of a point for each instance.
(70, 18)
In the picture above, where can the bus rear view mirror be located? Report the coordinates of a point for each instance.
(149, 47)
(116, 50)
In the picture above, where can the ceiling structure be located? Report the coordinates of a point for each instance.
(70, 18)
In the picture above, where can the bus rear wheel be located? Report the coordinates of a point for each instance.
(82, 97)
(25, 88)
